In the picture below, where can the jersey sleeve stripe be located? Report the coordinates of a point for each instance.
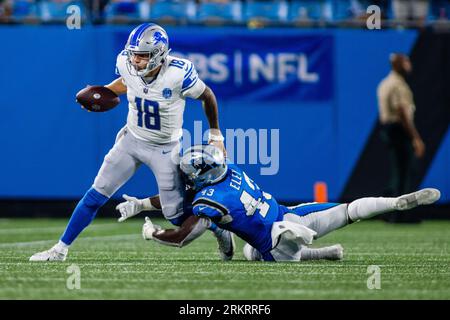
(189, 71)
(212, 204)
(188, 83)
(187, 76)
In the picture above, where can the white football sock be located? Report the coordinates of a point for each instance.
(335, 252)
(61, 246)
(366, 208)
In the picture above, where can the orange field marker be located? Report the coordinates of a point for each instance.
(320, 192)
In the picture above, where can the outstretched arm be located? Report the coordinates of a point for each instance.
(117, 86)
(132, 206)
(192, 228)
(211, 109)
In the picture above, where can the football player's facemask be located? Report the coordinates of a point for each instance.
(203, 165)
(147, 47)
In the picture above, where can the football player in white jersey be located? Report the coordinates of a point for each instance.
(156, 85)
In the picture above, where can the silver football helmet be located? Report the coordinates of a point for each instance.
(203, 165)
(147, 39)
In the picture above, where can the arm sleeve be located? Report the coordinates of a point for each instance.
(203, 210)
(192, 86)
(204, 207)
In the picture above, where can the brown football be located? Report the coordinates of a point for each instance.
(97, 98)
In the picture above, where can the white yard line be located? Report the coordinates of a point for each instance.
(230, 268)
(143, 292)
(53, 228)
(39, 242)
(226, 281)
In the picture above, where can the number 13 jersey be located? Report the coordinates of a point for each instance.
(237, 204)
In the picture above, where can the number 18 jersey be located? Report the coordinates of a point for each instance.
(238, 204)
(156, 108)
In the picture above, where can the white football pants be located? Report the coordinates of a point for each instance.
(125, 157)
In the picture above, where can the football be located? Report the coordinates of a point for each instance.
(97, 98)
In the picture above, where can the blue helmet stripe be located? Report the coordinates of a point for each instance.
(137, 32)
(133, 35)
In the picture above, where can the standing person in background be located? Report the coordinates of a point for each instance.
(396, 110)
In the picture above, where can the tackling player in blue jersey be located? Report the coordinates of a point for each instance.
(225, 195)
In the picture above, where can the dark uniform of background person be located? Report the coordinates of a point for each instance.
(405, 145)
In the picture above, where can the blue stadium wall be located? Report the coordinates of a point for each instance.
(52, 149)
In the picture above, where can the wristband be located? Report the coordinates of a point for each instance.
(214, 137)
(147, 205)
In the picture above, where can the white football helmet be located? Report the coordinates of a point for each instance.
(147, 39)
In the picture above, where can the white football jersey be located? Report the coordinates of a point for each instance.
(155, 110)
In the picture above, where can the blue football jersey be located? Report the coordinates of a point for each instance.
(237, 204)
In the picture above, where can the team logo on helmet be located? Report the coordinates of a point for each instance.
(158, 37)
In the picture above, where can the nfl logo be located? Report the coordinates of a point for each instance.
(167, 93)
(145, 90)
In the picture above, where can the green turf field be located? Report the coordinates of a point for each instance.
(115, 263)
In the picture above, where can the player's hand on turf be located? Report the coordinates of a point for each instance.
(131, 207)
(148, 229)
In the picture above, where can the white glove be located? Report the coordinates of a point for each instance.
(129, 208)
(148, 228)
